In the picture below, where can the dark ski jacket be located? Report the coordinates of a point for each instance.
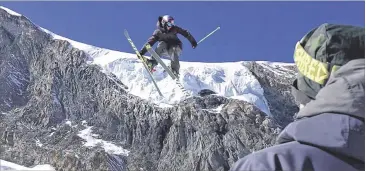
(329, 136)
(169, 36)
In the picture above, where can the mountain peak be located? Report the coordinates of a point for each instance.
(80, 107)
(228, 79)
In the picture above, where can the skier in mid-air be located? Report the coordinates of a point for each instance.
(169, 44)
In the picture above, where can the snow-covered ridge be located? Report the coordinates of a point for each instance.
(229, 79)
(10, 11)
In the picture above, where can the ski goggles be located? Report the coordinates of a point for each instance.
(170, 23)
(311, 68)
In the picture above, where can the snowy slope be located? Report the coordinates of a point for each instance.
(5, 165)
(232, 80)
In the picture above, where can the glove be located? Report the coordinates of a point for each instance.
(194, 45)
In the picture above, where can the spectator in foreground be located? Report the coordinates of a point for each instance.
(328, 132)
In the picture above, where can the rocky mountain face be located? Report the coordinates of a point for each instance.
(276, 85)
(57, 109)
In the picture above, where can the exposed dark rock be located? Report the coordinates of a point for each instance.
(205, 92)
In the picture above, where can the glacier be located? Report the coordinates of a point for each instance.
(228, 79)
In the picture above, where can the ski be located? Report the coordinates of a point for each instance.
(174, 77)
(143, 60)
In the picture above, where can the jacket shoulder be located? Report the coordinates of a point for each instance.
(157, 31)
(291, 156)
(178, 28)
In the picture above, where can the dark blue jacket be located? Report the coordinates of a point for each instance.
(329, 136)
(169, 36)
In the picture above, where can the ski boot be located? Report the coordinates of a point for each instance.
(151, 63)
(176, 74)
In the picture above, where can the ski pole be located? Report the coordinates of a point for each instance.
(209, 35)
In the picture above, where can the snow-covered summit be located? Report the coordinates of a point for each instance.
(229, 79)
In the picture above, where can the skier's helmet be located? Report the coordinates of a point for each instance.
(167, 21)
